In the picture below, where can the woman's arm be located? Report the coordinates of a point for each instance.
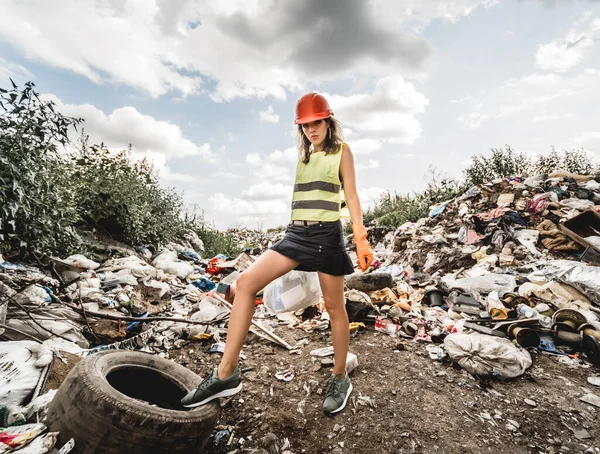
(348, 177)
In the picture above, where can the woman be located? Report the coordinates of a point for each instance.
(313, 242)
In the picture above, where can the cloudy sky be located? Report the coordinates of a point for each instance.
(207, 89)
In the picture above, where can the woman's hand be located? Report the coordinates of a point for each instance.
(363, 248)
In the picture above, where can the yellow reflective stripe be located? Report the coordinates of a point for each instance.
(316, 195)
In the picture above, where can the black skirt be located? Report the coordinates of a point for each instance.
(318, 247)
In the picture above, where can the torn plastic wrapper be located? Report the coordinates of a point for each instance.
(293, 291)
(386, 326)
(13, 438)
(528, 238)
(583, 277)
(22, 366)
(501, 283)
(437, 209)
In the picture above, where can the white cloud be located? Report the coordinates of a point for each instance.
(535, 80)
(563, 54)
(244, 49)
(537, 111)
(365, 146)
(420, 13)
(159, 161)
(229, 175)
(463, 99)
(269, 115)
(373, 164)
(369, 196)
(17, 72)
(268, 191)
(276, 166)
(156, 140)
(547, 117)
(287, 156)
(388, 114)
(533, 102)
(589, 140)
(472, 120)
(241, 207)
(126, 125)
(253, 159)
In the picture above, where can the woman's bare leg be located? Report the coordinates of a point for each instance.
(335, 303)
(269, 266)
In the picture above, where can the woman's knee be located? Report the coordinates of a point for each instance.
(245, 284)
(334, 305)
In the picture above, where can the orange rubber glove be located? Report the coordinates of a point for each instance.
(363, 248)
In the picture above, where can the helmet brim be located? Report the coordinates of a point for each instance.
(314, 117)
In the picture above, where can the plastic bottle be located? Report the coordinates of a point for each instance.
(530, 312)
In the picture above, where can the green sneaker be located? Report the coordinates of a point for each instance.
(337, 394)
(212, 388)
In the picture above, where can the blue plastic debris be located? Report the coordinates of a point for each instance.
(134, 324)
(49, 292)
(193, 255)
(437, 209)
(12, 266)
(547, 345)
(109, 302)
(204, 284)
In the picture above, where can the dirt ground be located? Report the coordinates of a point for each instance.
(403, 402)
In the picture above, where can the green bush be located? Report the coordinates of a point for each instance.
(48, 193)
(577, 161)
(38, 210)
(506, 162)
(395, 209)
(123, 198)
(502, 163)
(218, 242)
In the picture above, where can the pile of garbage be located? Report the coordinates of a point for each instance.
(149, 302)
(510, 260)
(506, 268)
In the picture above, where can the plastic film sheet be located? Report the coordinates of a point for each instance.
(583, 277)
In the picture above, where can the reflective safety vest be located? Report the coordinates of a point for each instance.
(317, 188)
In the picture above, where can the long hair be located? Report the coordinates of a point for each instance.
(333, 140)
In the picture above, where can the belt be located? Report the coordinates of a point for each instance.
(306, 223)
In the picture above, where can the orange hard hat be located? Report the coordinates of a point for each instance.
(311, 107)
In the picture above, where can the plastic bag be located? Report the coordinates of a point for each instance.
(582, 277)
(168, 262)
(20, 371)
(293, 291)
(501, 283)
(487, 356)
(81, 261)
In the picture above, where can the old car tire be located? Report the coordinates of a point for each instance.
(128, 402)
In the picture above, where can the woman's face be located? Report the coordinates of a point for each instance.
(315, 131)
